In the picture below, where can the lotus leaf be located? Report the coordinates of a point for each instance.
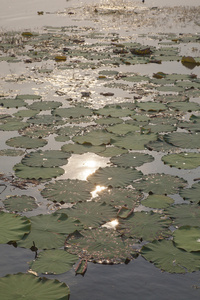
(120, 197)
(20, 203)
(73, 112)
(69, 130)
(160, 128)
(44, 105)
(81, 149)
(187, 238)
(132, 159)
(91, 214)
(184, 106)
(45, 120)
(49, 231)
(68, 191)
(62, 138)
(26, 113)
(13, 227)
(157, 201)
(147, 226)
(100, 245)
(136, 78)
(15, 125)
(122, 129)
(30, 287)
(151, 106)
(160, 145)
(160, 184)
(192, 194)
(112, 151)
(182, 160)
(12, 103)
(183, 140)
(53, 262)
(11, 152)
(46, 159)
(190, 126)
(82, 267)
(168, 258)
(113, 111)
(26, 142)
(95, 137)
(184, 214)
(114, 176)
(134, 141)
(37, 131)
(108, 121)
(39, 173)
(171, 98)
(170, 88)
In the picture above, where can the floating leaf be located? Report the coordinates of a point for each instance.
(113, 111)
(151, 106)
(73, 112)
(132, 159)
(68, 191)
(184, 106)
(114, 176)
(11, 152)
(82, 267)
(112, 151)
(184, 214)
(53, 262)
(26, 113)
(44, 105)
(20, 203)
(192, 194)
(182, 160)
(164, 255)
(146, 226)
(30, 287)
(160, 145)
(39, 173)
(37, 131)
(157, 201)
(45, 120)
(81, 149)
(160, 184)
(183, 140)
(12, 103)
(12, 227)
(122, 128)
(46, 159)
(26, 142)
(134, 141)
(95, 137)
(108, 121)
(15, 125)
(49, 231)
(187, 238)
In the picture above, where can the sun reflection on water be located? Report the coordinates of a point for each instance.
(112, 224)
(98, 189)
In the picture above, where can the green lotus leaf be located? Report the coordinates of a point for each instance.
(20, 203)
(112, 151)
(26, 142)
(183, 140)
(81, 149)
(132, 159)
(11, 152)
(62, 138)
(184, 214)
(37, 131)
(192, 194)
(91, 214)
(95, 137)
(53, 262)
(134, 141)
(164, 255)
(157, 201)
(160, 184)
(170, 88)
(39, 173)
(187, 238)
(114, 176)
(25, 113)
(45, 120)
(120, 197)
(108, 72)
(171, 98)
(151, 106)
(100, 245)
(13, 227)
(49, 231)
(44, 105)
(68, 130)
(147, 226)
(113, 111)
(46, 159)
(73, 112)
(188, 84)
(13, 125)
(28, 97)
(12, 103)
(108, 121)
(184, 106)
(30, 287)
(190, 126)
(136, 78)
(122, 129)
(160, 145)
(160, 128)
(182, 160)
(68, 191)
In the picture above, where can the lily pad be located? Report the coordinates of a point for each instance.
(26, 113)
(184, 214)
(160, 145)
(26, 142)
(13, 125)
(187, 238)
(184, 106)
(192, 194)
(182, 160)
(73, 112)
(164, 255)
(134, 141)
(39, 173)
(112, 151)
(151, 106)
(183, 140)
(157, 201)
(95, 137)
(13, 227)
(20, 203)
(44, 105)
(122, 129)
(91, 214)
(53, 262)
(81, 149)
(49, 231)
(46, 159)
(12, 103)
(114, 176)
(160, 184)
(108, 121)
(37, 131)
(45, 120)
(147, 226)
(132, 159)
(30, 287)
(113, 111)
(68, 191)
(11, 152)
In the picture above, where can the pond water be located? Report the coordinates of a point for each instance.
(139, 279)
